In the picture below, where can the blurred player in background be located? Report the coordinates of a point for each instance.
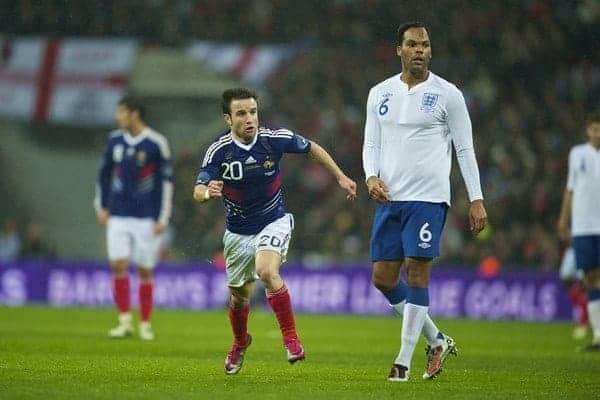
(412, 118)
(572, 279)
(134, 200)
(581, 205)
(242, 166)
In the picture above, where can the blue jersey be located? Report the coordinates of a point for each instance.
(135, 179)
(251, 174)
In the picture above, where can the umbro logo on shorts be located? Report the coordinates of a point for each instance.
(424, 245)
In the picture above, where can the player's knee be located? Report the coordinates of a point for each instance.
(267, 274)
(119, 268)
(238, 301)
(145, 274)
(381, 283)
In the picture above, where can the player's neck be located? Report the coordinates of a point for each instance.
(136, 129)
(413, 80)
(595, 145)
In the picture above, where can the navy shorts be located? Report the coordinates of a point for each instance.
(407, 229)
(587, 251)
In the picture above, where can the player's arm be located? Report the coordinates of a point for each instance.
(371, 153)
(103, 186)
(209, 191)
(208, 186)
(565, 211)
(165, 169)
(461, 130)
(564, 230)
(324, 158)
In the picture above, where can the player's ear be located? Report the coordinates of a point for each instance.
(227, 119)
(398, 49)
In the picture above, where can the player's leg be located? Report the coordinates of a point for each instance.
(592, 280)
(587, 254)
(146, 302)
(571, 277)
(271, 249)
(239, 261)
(238, 311)
(415, 310)
(118, 244)
(386, 278)
(146, 253)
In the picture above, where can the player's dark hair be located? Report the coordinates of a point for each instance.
(134, 104)
(592, 118)
(235, 94)
(406, 26)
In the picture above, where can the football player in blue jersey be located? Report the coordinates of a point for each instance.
(242, 167)
(134, 200)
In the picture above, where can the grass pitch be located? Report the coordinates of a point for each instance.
(50, 353)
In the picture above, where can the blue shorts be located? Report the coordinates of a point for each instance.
(407, 229)
(587, 251)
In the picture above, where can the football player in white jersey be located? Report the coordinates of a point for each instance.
(413, 118)
(580, 206)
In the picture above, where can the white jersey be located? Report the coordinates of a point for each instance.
(584, 182)
(408, 135)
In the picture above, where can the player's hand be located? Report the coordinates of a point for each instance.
(158, 228)
(349, 186)
(102, 216)
(215, 189)
(477, 216)
(378, 190)
(564, 233)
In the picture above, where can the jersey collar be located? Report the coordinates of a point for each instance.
(134, 140)
(418, 85)
(244, 146)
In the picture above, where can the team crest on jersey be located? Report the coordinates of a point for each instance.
(429, 101)
(117, 153)
(141, 157)
(268, 164)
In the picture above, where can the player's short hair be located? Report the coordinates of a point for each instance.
(134, 104)
(406, 26)
(235, 94)
(592, 118)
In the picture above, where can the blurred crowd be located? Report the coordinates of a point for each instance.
(30, 246)
(529, 69)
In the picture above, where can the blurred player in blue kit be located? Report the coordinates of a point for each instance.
(242, 167)
(134, 197)
(579, 220)
(412, 120)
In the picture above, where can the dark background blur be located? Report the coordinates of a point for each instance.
(529, 70)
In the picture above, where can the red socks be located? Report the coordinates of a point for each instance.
(282, 306)
(145, 293)
(121, 294)
(579, 300)
(239, 322)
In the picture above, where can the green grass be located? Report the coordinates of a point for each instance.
(64, 354)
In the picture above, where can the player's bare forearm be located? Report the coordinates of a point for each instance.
(563, 219)
(323, 157)
(203, 193)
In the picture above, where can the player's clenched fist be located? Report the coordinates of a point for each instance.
(102, 216)
(214, 189)
(349, 186)
(378, 190)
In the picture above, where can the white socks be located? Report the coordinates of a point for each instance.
(594, 313)
(430, 330)
(412, 325)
